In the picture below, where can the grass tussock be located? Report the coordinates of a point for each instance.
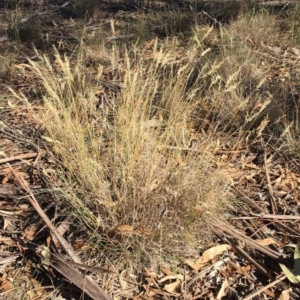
(135, 159)
(138, 168)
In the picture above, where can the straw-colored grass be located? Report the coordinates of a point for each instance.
(136, 160)
(137, 167)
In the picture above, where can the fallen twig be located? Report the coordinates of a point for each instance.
(270, 188)
(120, 37)
(249, 201)
(39, 155)
(265, 288)
(87, 285)
(278, 217)
(226, 228)
(23, 156)
(251, 260)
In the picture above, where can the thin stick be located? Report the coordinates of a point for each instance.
(39, 155)
(251, 260)
(278, 217)
(22, 156)
(270, 188)
(264, 288)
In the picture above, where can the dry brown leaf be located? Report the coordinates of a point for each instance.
(154, 184)
(29, 233)
(244, 271)
(224, 289)
(149, 273)
(296, 51)
(180, 160)
(204, 105)
(285, 295)
(296, 196)
(6, 285)
(8, 223)
(125, 229)
(265, 290)
(6, 178)
(151, 277)
(269, 293)
(266, 242)
(150, 296)
(208, 255)
(293, 183)
(141, 231)
(171, 277)
(171, 288)
(166, 271)
(149, 44)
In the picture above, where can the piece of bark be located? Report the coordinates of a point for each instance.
(82, 281)
(10, 191)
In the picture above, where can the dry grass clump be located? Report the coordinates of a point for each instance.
(133, 167)
(137, 164)
(253, 29)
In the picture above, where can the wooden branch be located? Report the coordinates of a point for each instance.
(278, 217)
(273, 200)
(278, 3)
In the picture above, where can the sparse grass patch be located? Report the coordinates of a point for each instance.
(293, 25)
(255, 28)
(250, 95)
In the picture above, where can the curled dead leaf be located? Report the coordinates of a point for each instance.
(285, 295)
(172, 287)
(224, 289)
(207, 256)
